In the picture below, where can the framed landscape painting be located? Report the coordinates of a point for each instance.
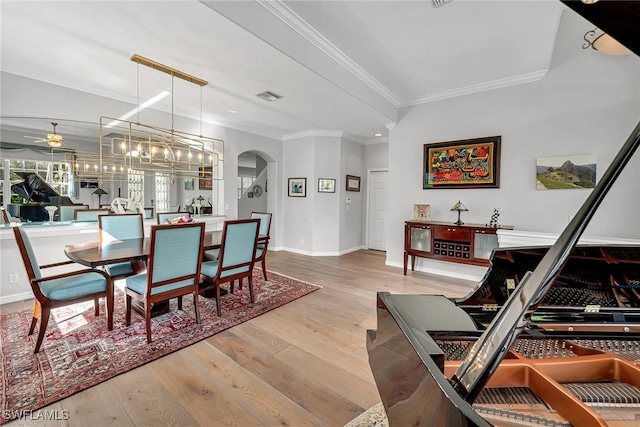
(468, 163)
(566, 172)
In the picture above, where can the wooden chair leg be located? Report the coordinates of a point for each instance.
(232, 286)
(127, 316)
(96, 305)
(147, 319)
(250, 280)
(197, 307)
(37, 313)
(218, 299)
(180, 302)
(44, 320)
(264, 267)
(110, 304)
(240, 283)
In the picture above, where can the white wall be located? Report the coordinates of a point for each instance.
(297, 212)
(352, 223)
(587, 103)
(326, 211)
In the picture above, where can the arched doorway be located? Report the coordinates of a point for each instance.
(252, 183)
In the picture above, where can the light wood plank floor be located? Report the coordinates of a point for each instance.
(303, 364)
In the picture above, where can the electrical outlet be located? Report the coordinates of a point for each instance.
(13, 278)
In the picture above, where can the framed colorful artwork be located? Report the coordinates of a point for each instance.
(205, 180)
(468, 163)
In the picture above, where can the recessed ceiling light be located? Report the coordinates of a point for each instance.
(232, 111)
(377, 134)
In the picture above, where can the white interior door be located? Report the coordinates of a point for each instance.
(377, 210)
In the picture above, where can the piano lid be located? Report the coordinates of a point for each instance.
(35, 188)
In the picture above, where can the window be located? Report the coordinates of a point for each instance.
(136, 183)
(163, 191)
(244, 182)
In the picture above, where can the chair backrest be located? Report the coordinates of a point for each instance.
(120, 227)
(174, 208)
(89, 214)
(238, 247)
(67, 212)
(175, 256)
(265, 222)
(26, 252)
(148, 213)
(164, 216)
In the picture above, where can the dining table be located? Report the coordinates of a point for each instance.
(136, 251)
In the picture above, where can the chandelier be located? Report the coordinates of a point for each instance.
(127, 145)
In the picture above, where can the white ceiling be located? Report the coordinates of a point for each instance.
(340, 65)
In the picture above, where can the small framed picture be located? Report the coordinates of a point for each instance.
(297, 187)
(422, 213)
(188, 184)
(326, 185)
(353, 183)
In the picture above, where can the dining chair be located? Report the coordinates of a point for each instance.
(119, 227)
(148, 213)
(67, 212)
(89, 215)
(59, 290)
(174, 208)
(173, 269)
(162, 217)
(263, 243)
(236, 257)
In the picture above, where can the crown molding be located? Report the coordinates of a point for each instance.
(320, 133)
(481, 87)
(299, 25)
(378, 140)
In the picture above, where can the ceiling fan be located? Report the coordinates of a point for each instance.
(53, 139)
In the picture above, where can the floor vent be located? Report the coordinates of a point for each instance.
(269, 96)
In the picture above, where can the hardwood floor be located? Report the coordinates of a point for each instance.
(303, 364)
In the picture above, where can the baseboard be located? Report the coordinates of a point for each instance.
(15, 297)
(441, 272)
(332, 253)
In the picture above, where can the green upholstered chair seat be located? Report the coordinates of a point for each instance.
(259, 252)
(138, 284)
(210, 269)
(73, 286)
(119, 269)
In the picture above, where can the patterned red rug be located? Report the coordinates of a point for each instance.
(79, 352)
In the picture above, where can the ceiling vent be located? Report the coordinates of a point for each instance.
(269, 96)
(437, 3)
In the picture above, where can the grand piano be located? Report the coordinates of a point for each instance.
(549, 337)
(38, 194)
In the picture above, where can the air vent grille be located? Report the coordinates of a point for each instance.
(269, 96)
(437, 3)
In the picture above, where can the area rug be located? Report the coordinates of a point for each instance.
(372, 417)
(79, 352)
